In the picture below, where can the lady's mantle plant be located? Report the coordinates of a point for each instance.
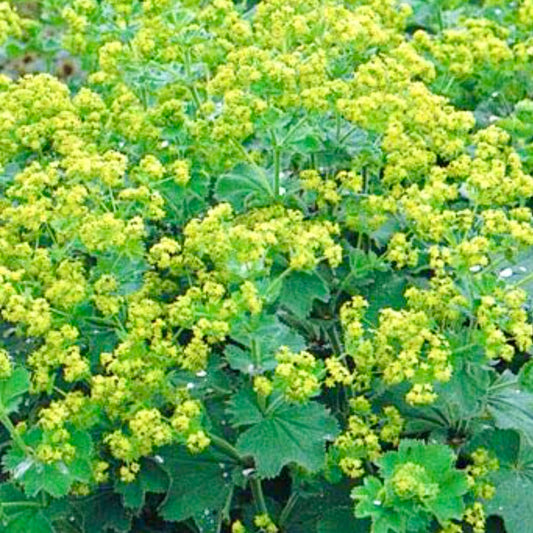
(266, 267)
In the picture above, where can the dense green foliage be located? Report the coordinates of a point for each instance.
(266, 266)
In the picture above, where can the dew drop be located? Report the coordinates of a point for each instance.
(506, 273)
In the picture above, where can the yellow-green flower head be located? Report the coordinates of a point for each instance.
(6, 365)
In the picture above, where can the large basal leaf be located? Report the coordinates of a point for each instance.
(513, 481)
(519, 271)
(199, 484)
(284, 434)
(510, 405)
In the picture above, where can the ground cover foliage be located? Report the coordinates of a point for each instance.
(266, 266)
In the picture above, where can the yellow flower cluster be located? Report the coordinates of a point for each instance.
(6, 365)
(483, 463)
(296, 374)
(400, 253)
(405, 346)
(54, 419)
(475, 517)
(265, 524)
(504, 323)
(366, 432)
(411, 481)
(11, 24)
(478, 44)
(243, 246)
(331, 190)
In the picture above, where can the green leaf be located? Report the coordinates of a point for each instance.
(288, 434)
(151, 478)
(525, 376)
(304, 140)
(369, 499)
(198, 483)
(300, 290)
(510, 405)
(56, 478)
(245, 186)
(184, 203)
(20, 514)
(12, 389)
(513, 500)
(363, 263)
(102, 512)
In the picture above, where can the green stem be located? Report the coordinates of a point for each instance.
(277, 163)
(275, 282)
(440, 22)
(259, 497)
(465, 348)
(274, 405)
(524, 280)
(340, 290)
(20, 504)
(192, 88)
(6, 421)
(293, 129)
(277, 172)
(226, 447)
(287, 510)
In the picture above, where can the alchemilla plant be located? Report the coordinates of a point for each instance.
(266, 267)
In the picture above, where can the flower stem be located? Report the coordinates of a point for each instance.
(224, 446)
(15, 437)
(259, 497)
